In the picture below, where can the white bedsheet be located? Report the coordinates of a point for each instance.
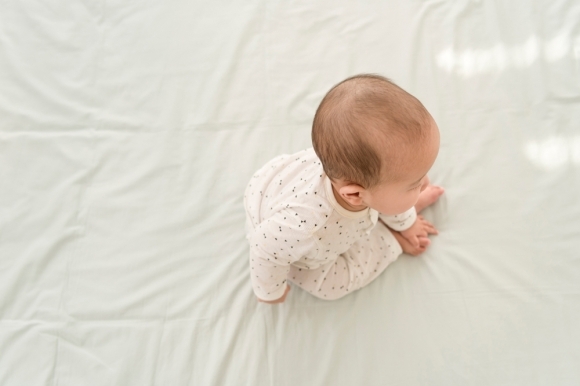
(129, 129)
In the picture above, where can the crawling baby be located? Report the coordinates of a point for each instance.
(331, 218)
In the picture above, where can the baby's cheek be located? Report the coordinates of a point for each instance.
(408, 202)
(426, 183)
(416, 197)
(395, 207)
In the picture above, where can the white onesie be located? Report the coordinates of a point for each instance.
(297, 231)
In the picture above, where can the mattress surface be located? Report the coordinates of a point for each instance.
(129, 130)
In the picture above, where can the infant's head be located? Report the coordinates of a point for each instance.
(376, 143)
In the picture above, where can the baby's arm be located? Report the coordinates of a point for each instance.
(281, 300)
(276, 243)
(400, 222)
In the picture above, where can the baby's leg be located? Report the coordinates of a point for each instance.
(428, 197)
(352, 270)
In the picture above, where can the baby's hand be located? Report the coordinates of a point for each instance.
(410, 249)
(280, 300)
(421, 228)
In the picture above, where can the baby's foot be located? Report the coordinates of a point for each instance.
(428, 197)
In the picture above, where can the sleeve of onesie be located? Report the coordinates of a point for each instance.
(400, 222)
(276, 243)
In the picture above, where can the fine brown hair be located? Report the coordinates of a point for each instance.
(360, 127)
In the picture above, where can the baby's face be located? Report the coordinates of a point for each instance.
(397, 197)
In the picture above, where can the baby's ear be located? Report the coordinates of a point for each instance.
(352, 194)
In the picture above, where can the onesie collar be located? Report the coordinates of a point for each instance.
(345, 212)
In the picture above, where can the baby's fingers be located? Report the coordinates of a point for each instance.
(424, 242)
(414, 240)
(429, 228)
(422, 247)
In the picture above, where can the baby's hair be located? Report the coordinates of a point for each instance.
(358, 118)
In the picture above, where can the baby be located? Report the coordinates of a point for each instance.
(331, 218)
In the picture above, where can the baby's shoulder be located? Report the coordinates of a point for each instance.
(295, 161)
(304, 217)
(293, 184)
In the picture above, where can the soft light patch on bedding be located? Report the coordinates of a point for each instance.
(554, 152)
(499, 57)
